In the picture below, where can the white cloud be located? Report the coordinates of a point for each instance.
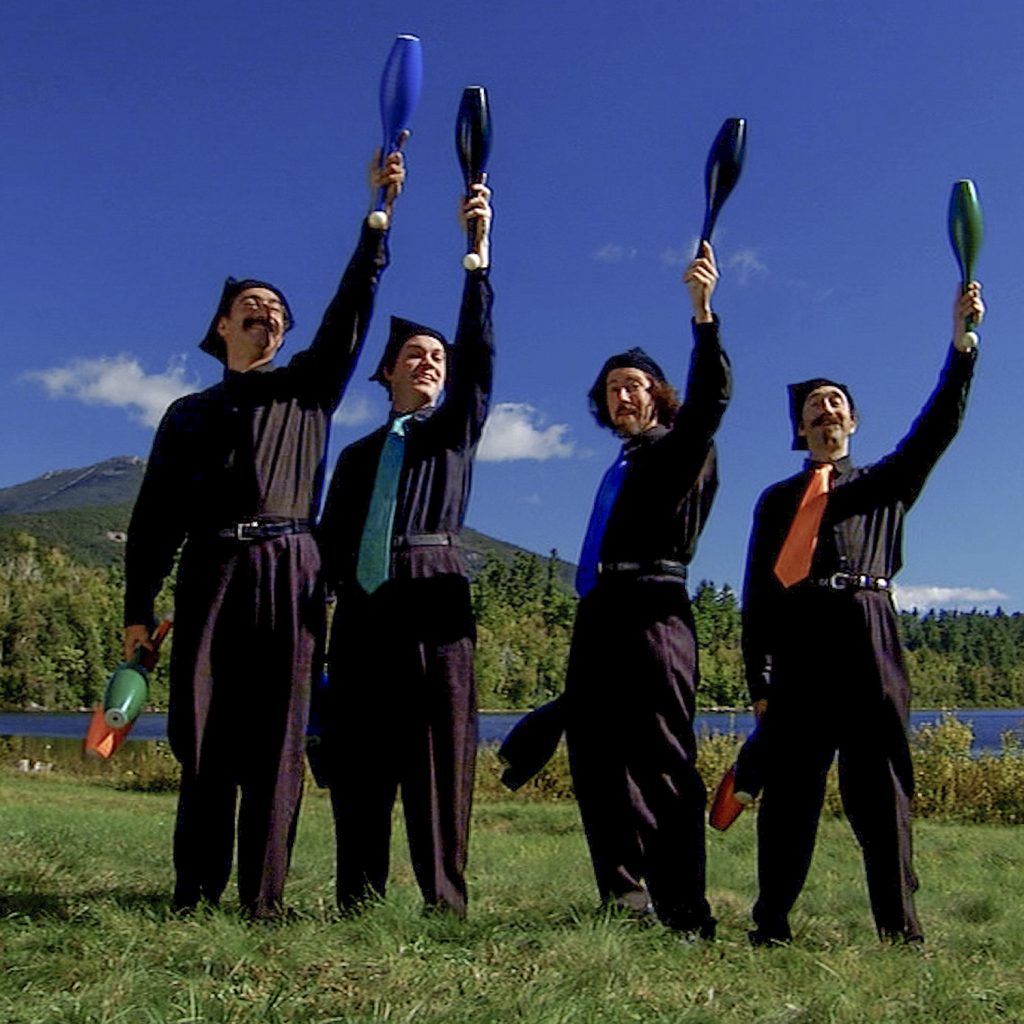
(748, 265)
(923, 598)
(515, 430)
(120, 382)
(746, 262)
(354, 411)
(612, 253)
(679, 257)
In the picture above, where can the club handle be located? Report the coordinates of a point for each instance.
(969, 338)
(474, 258)
(378, 217)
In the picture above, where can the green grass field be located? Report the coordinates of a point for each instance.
(86, 934)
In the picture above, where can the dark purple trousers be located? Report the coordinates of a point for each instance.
(630, 690)
(838, 686)
(402, 715)
(248, 622)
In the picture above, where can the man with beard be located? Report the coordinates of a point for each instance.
(821, 647)
(236, 472)
(632, 677)
(401, 700)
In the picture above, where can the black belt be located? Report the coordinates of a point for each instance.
(263, 528)
(655, 567)
(424, 540)
(853, 581)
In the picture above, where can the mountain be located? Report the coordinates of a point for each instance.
(111, 482)
(86, 511)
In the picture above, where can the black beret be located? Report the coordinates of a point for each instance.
(401, 332)
(635, 358)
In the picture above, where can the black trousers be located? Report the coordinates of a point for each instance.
(630, 694)
(248, 624)
(402, 715)
(839, 688)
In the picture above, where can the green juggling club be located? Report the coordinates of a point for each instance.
(965, 232)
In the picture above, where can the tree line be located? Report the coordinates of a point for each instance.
(60, 635)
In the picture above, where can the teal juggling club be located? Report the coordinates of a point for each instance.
(965, 233)
(128, 687)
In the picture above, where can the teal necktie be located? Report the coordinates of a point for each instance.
(374, 565)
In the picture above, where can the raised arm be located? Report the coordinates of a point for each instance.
(470, 375)
(327, 365)
(709, 383)
(907, 468)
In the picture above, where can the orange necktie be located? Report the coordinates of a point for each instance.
(794, 561)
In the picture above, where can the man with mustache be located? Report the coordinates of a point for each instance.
(633, 674)
(821, 647)
(236, 473)
(400, 707)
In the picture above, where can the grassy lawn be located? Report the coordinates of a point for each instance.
(86, 935)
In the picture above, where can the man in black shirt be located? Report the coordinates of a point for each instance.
(820, 644)
(632, 677)
(236, 472)
(400, 708)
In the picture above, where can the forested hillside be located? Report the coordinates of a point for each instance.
(60, 627)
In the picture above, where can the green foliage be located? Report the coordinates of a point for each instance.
(60, 632)
(524, 619)
(60, 629)
(717, 614)
(91, 535)
(967, 659)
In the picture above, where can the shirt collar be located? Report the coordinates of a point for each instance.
(420, 414)
(646, 437)
(841, 467)
(239, 374)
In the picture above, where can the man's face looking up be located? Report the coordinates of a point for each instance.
(631, 405)
(827, 423)
(254, 328)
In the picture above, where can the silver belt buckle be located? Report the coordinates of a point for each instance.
(240, 529)
(839, 581)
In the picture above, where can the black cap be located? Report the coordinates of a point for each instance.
(799, 393)
(212, 342)
(401, 332)
(635, 358)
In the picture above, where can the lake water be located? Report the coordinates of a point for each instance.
(989, 724)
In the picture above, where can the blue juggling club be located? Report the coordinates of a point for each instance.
(725, 161)
(400, 86)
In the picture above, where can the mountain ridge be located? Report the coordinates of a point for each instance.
(85, 511)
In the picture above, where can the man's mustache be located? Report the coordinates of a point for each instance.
(826, 418)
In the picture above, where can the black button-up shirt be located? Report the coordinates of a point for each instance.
(861, 531)
(254, 444)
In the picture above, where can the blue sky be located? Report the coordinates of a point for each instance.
(151, 149)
